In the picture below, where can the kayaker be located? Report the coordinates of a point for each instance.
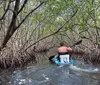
(63, 55)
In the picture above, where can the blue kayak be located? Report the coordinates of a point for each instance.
(56, 61)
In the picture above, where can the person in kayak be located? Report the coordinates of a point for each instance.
(63, 55)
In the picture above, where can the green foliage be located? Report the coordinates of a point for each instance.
(54, 13)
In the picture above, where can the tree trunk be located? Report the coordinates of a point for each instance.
(12, 27)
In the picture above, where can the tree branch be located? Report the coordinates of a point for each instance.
(29, 14)
(52, 33)
(22, 6)
(2, 17)
(12, 26)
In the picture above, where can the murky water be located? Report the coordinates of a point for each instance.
(50, 74)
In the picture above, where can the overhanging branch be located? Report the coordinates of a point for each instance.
(2, 17)
(51, 33)
(29, 14)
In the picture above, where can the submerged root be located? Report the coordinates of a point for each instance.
(90, 56)
(13, 59)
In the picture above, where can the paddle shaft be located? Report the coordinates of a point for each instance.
(79, 42)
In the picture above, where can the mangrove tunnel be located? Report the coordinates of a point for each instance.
(30, 33)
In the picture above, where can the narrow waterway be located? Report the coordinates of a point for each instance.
(50, 74)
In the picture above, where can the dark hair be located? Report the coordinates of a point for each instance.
(61, 44)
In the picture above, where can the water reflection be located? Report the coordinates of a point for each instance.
(57, 75)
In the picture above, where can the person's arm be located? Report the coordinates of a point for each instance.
(69, 49)
(58, 50)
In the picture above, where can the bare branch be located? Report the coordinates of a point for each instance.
(33, 31)
(29, 14)
(12, 26)
(52, 33)
(22, 6)
(6, 10)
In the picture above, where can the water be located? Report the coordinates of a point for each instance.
(50, 74)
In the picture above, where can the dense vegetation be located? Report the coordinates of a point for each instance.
(31, 27)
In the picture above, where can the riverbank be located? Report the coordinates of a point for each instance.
(14, 59)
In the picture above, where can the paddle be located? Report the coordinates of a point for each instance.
(77, 43)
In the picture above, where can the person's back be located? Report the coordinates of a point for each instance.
(64, 49)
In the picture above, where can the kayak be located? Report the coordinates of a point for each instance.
(56, 61)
